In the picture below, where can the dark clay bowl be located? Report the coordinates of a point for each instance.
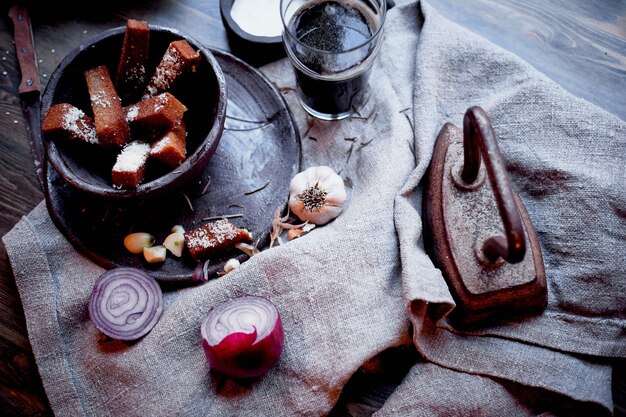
(203, 92)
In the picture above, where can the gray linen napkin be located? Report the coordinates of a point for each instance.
(338, 288)
(567, 160)
(343, 289)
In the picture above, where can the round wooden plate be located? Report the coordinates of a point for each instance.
(247, 178)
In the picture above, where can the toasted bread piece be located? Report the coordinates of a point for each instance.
(171, 150)
(213, 238)
(179, 58)
(111, 125)
(163, 111)
(131, 77)
(130, 166)
(69, 122)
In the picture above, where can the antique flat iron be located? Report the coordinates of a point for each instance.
(477, 229)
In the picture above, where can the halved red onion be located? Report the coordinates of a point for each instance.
(125, 303)
(243, 337)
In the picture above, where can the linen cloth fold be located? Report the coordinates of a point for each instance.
(567, 160)
(356, 286)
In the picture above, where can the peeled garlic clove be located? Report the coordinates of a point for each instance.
(175, 243)
(231, 264)
(177, 229)
(155, 254)
(136, 242)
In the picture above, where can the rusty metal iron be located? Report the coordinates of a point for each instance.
(477, 229)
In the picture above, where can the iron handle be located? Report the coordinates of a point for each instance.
(479, 139)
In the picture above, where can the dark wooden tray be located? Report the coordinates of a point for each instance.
(249, 174)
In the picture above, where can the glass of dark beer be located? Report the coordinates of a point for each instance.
(332, 45)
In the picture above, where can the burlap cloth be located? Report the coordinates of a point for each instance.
(357, 286)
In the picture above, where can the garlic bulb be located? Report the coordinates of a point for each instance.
(317, 195)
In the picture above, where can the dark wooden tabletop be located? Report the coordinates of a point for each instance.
(579, 44)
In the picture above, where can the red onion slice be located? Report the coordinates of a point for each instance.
(125, 303)
(243, 337)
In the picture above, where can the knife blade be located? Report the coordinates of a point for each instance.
(29, 88)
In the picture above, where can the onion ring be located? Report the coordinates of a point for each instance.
(125, 303)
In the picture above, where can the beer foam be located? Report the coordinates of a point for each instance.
(338, 39)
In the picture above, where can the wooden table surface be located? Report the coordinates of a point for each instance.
(579, 44)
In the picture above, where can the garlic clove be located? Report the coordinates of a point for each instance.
(155, 254)
(136, 242)
(177, 229)
(231, 265)
(175, 243)
(336, 196)
(328, 176)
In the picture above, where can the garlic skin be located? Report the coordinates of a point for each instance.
(294, 234)
(317, 195)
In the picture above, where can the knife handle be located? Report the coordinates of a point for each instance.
(25, 49)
